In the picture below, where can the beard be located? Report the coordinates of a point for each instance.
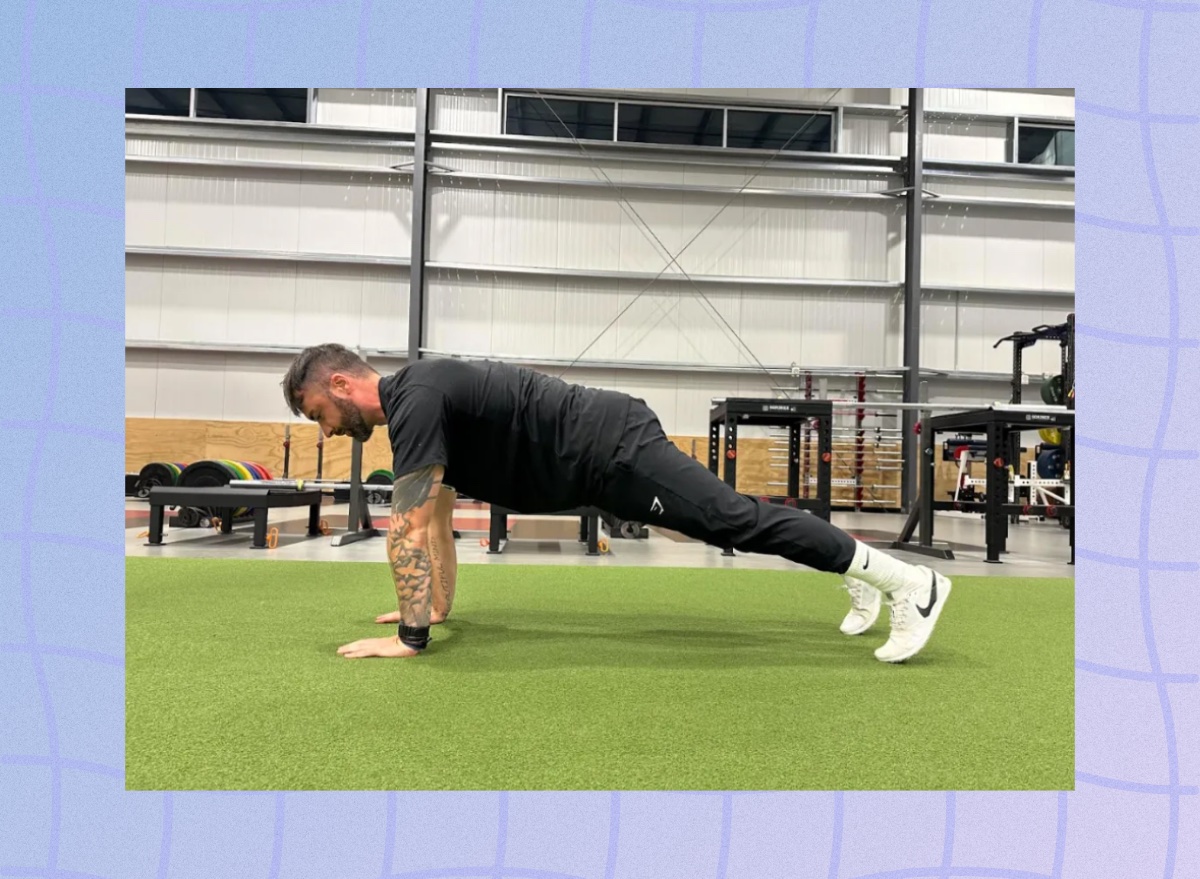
(353, 423)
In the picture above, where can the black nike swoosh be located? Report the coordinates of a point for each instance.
(928, 609)
(867, 562)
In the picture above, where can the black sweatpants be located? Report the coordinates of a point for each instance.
(649, 480)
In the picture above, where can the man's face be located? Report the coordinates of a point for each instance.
(337, 416)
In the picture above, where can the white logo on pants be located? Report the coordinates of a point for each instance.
(656, 507)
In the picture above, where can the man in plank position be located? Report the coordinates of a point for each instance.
(514, 437)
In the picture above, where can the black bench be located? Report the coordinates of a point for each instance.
(589, 527)
(229, 499)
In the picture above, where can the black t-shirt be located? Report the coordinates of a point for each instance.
(505, 434)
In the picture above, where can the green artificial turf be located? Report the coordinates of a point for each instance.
(603, 678)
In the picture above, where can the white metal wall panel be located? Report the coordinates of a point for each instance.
(190, 384)
(954, 247)
(772, 325)
(583, 310)
(873, 135)
(1014, 250)
(1051, 193)
(939, 330)
(650, 328)
(474, 111)
(329, 305)
(388, 221)
(458, 313)
(266, 212)
(588, 233)
(393, 109)
(252, 390)
(199, 209)
(461, 224)
(195, 302)
(141, 383)
(984, 319)
(1008, 102)
(664, 214)
(145, 208)
(523, 316)
(213, 147)
(262, 304)
(1028, 250)
(967, 140)
(384, 309)
(143, 296)
(525, 231)
(332, 214)
(1058, 253)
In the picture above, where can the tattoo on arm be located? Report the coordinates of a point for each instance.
(408, 547)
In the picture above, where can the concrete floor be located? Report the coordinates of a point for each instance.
(1036, 549)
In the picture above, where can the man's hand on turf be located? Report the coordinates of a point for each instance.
(386, 647)
(394, 617)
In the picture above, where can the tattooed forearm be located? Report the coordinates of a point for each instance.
(411, 569)
(408, 543)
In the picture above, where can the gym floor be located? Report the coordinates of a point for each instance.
(1036, 549)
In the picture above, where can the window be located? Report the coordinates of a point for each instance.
(270, 105)
(1045, 146)
(653, 123)
(766, 130)
(158, 102)
(559, 117)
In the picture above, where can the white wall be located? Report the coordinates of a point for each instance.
(546, 223)
(339, 202)
(392, 109)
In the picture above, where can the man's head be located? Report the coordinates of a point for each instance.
(333, 386)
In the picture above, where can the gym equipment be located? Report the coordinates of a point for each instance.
(156, 473)
(795, 415)
(589, 528)
(1064, 334)
(215, 474)
(1002, 425)
(1052, 391)
(381, 478)
(1050, 463)
(1051, 436)
(222, 499)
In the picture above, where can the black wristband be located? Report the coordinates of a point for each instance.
(416, 637)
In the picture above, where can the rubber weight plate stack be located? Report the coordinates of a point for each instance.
(156, 474)
(378, 477)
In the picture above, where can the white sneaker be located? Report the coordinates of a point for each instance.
(915, 610)
(865, 602)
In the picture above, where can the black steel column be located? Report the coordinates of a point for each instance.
(420, 198)
(997, 492)
(793, 461)
(825, 465)
(714, 446)
(915, 182)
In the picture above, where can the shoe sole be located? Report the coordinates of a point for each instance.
(870, 622)
(935, 614)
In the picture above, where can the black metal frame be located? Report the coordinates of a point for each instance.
(1064, 334)
(589, 527)
(1002, 427)
(229, 499)
(914, 180)
(792, 414)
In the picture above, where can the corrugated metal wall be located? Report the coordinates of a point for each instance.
(540, 268)
(235, 255)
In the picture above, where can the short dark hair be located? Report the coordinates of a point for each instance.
(315, 365)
